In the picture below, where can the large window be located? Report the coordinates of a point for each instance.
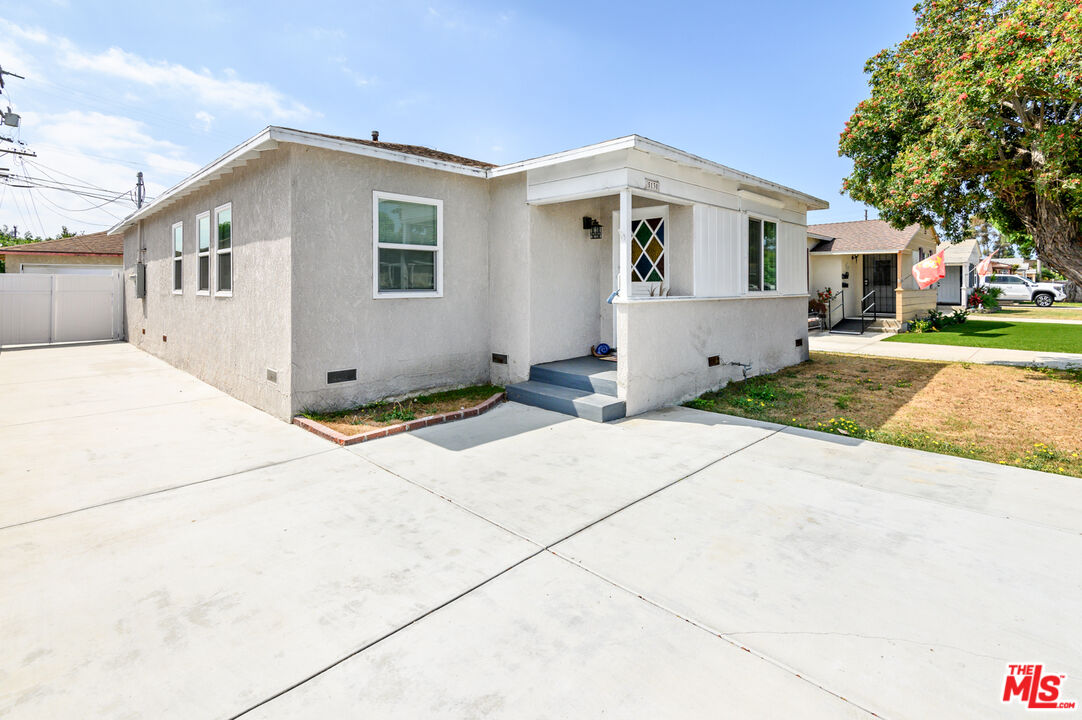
(202, 251)
(178, 253)
(762, 255)
(223, 250)
(407, 246)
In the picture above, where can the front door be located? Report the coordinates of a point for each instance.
(880, 278)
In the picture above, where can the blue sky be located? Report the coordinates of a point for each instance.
(112, 88)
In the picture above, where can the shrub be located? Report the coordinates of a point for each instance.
(959, 316)
(921, 326)
(986, 297)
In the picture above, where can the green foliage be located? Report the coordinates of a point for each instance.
(921, 326)
(986, 297)
(977, 114)
(937, 320)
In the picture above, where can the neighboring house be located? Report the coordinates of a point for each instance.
(95, 254)
(961, 259)
(1029, 269)
(869, 263)
(302, 271)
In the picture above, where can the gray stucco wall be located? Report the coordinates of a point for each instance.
(565, 313)
(397, 346)
(229, 342)
(665, 345)
(509, 277)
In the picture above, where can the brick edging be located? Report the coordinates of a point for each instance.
(334, 436)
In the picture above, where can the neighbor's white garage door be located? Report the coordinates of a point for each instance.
(60, 308)
(69, 269)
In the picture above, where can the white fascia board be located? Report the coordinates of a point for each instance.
(817, 236)
(623, 143)
(268, 139)
(246, 150)
(858, 252)
(302, 138)
(686, 158)
(637, 142)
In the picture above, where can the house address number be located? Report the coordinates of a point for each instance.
(652, 184)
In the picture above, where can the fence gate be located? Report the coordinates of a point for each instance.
(60, 308)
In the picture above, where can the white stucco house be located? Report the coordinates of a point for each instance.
(307, 271)
(961, 260)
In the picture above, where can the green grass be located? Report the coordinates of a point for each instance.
(387, 412)
(1041, 337)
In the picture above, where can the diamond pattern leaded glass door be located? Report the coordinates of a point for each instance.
(648, 250)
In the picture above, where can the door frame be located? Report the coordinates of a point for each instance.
(868, 283)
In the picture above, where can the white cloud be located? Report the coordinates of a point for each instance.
(205, 120)
(227, 91)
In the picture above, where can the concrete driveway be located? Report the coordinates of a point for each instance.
(169, 552)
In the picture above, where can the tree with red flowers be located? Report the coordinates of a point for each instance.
(978, 113)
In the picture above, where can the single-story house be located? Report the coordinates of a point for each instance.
(308, 271)
(868, 263)
(961, 260)
(1029, 269)
(94, 254)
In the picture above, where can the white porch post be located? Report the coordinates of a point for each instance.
(625, 243)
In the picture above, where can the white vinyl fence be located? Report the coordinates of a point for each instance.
(60, 308)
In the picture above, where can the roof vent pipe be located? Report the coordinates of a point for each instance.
(375, 136)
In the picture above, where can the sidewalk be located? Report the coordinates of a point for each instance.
(869, 344)
(992, 317)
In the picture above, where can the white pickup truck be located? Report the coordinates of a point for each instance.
(1019, 289)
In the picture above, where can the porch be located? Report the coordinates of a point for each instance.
(677, 269)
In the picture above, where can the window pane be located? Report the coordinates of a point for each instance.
(176, 274)
(755, 238)
(407, 270)
(225, 272)
(225, 228)
(407, 223)
(770, 256)
(178, 241)
(204, 269)
(204, 233)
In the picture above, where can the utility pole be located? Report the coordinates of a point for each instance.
(140, 190)
(11, 119)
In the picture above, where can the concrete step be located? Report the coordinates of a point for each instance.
(569, 401)
(566, 375)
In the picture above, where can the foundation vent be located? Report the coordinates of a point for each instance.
(337, 376)
(499, 358)
(800, 342)
(713, 361)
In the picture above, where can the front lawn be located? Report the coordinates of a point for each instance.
(1025, 417)
(354, 421)
(1059, 311)
(1046, 337)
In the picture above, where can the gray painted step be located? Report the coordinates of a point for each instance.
(569, 401)
(585, 373)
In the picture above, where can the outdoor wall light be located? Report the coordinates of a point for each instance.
(593, 226)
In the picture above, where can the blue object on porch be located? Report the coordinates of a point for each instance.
(603, 349)
(614, 294)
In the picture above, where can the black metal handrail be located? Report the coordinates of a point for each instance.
(840, 296)
(864, 311)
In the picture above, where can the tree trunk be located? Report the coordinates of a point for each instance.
(1058, 239)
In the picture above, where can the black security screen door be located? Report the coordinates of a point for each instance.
(880, 277)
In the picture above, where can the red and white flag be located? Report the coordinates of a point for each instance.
(930, 270)
(985, 266)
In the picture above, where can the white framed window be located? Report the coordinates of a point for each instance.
(178, 257)
(223, 250)
(407, 246)
(202, 253)
(762, 255)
